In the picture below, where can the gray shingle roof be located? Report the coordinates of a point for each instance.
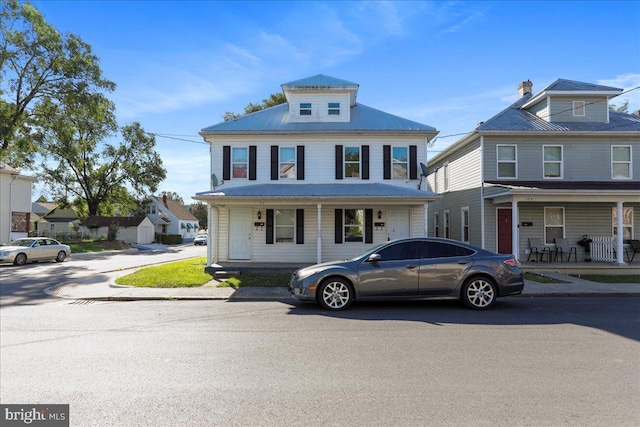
(276, 119)
(572, 85)
(372, 190)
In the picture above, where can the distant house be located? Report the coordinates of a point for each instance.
(131, 229)
(15, 204)
(171, 217)
(52, 221)
(557, 164)
(317, 178)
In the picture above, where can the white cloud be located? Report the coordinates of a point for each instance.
(630, 83)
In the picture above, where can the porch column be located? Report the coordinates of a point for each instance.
(210, 236)
(515, 238)
(619, 247)
(319, 239)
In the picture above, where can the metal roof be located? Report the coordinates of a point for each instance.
(329, 191)
(276, 119)
(320, 80)
(572, 85)
(568, 185)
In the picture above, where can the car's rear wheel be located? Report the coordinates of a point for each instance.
(20, 259)
(479, 293)
(61, 256)
(335, 294)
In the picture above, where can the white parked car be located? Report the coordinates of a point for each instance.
(201, 239)
(21, 251)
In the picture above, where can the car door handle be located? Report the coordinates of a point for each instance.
(410, 266)
(462, 262)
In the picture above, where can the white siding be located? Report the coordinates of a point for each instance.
(319, 107)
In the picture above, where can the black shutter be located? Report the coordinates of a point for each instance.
(226, 162)
(300, 163)
(339, 163)
(365, 162)
(275, 172)
(269, 226)
(413, 162)
(338, 225)
(368, 225)
(386, 159)
(252, 162)
(300, 226)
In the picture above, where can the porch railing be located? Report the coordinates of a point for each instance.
(603, 248)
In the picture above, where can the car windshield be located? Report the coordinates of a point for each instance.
(21, 242)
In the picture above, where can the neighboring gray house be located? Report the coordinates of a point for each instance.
(557, 164)
(318, 178)
(171, 217)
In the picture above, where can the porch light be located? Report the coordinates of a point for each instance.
(259, 215)
(379, 214)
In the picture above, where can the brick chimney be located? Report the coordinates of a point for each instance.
(164, 199)
(636, 113)
(524, 88)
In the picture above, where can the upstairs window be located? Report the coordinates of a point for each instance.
(305, 109)
(352, 162)
(334, 108)
(287, 162)
(552, 161)
(578, 109)
(621, 162)
(507, 161)
(239, 162)
(400, 163)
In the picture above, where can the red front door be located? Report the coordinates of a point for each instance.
(504, 231)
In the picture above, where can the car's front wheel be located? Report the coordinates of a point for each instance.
(61, 256)
(479, 293)
(20, 259)
(336, 294)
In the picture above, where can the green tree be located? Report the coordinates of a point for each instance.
(37, 65)
(273, 100)
(624, 108)
(172, 195)
(199, 210)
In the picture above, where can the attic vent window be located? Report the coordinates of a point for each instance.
(305, 108)
(334, 108)
(578, 108)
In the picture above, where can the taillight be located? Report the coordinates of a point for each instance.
(511, 261)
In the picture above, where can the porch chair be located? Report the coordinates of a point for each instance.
(538, 249)
(562, 247)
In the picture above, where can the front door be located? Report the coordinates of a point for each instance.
(239, 233)
(398, 223)
(504, 231)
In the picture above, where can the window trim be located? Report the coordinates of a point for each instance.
(445, 166)
(333, 108)
(233, 163)
(305, 109)
(561, 162)
(563, 226)
(345, 161)
(629, 162)
(436, 224)
(280, 162)
(464, 224)
(447, 224)
(276, 226)
(394, 162)
(578, 106)
(514, 161)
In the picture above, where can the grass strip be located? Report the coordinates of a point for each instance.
(181, 274)
(266, 280)
(606, 278)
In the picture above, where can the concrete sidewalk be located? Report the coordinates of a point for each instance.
(87, 288)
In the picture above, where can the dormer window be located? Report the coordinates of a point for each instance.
(334, 108)
(305, 108)
(578, 108)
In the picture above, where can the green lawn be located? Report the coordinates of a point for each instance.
(180, 274)
(264, 280)
(97, 246)
(540, 278)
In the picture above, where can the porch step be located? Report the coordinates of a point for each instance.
(223, 274)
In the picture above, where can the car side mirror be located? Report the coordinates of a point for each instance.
(373, 258)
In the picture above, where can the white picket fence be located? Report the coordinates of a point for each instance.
(603, 248)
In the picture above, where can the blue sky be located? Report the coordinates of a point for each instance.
(179, 65)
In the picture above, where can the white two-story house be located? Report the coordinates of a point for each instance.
(554, 165)
(318, 178)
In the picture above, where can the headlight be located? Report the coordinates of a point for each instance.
(306, 273)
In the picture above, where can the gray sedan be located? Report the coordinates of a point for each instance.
(416, 268)
(29, 249)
